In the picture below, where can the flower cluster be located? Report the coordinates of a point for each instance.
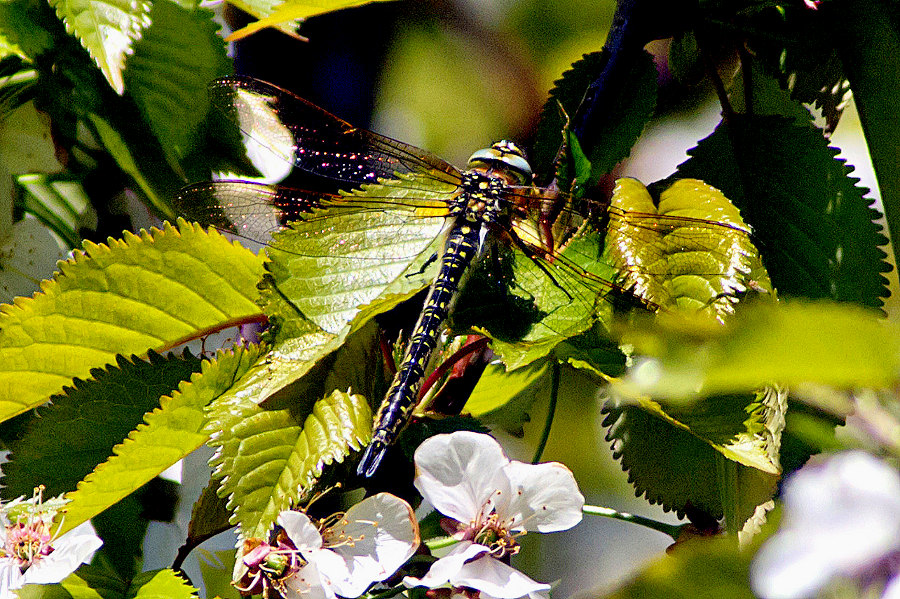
(30, 553)
(490, 501)
(343, 555)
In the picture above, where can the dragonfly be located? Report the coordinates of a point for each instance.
(490, 208)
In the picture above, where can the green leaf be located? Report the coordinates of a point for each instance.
(287, 14)
(796, 46)
(329, 268)
(169, 433)
(699, 568)
(92, 582)
(81, 427)
(107, 29)
(59, 201)
(689, 267)
(793, 343)
(160, 583)
(505, 398)
(652, 445)
(116, 145)
(209, 517)
(816, 230)
(155, 291)
(622, 126)
(174, 61)
(868, 39)
(271, 454)
(21, 32)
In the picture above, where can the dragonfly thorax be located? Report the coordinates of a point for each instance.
(503, 159)
(482, 198)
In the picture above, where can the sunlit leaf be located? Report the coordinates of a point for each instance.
(287, 14)
(107, 29)
(329, 268)
(689, 267)
(271, 454)
(168, 434)
(81, 427)
(149, 292)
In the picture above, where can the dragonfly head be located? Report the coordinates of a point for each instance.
(506, 157)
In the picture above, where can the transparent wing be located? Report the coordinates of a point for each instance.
(314, 140)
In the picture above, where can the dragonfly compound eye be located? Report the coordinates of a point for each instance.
(504, 156)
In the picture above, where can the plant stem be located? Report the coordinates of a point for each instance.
(551, 412)
(670, 529)
(440, 542)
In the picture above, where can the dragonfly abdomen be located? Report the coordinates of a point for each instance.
(460, 250)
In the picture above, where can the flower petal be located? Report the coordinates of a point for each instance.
(545, 497)
(446, 568)
(459, 472)
(11, 577)
(307, 583)
(74, 548)
(375, 537)
(331, 567)
(300, 530)
(792, 565)
(840, 516)
(495, 578)
(892, 589)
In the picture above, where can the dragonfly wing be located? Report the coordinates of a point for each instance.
(312, 139)
(250, 210)
(339, 260)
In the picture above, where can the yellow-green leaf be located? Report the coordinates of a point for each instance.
(170, 432)
(287, 15)
(153, 291)
(107, 29)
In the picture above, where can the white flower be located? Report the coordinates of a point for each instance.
(363, 546)
(841, 519)
(491, 501)
(29, 553)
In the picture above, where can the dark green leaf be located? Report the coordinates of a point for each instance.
(868, 36)
(623, 124)
(170, 432)
(80, 428)
(814, 228)
(672, 466)
(172, 64)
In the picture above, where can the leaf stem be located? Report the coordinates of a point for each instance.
(551, 412)
(670, 529)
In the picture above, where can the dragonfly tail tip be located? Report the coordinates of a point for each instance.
(371, 459)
